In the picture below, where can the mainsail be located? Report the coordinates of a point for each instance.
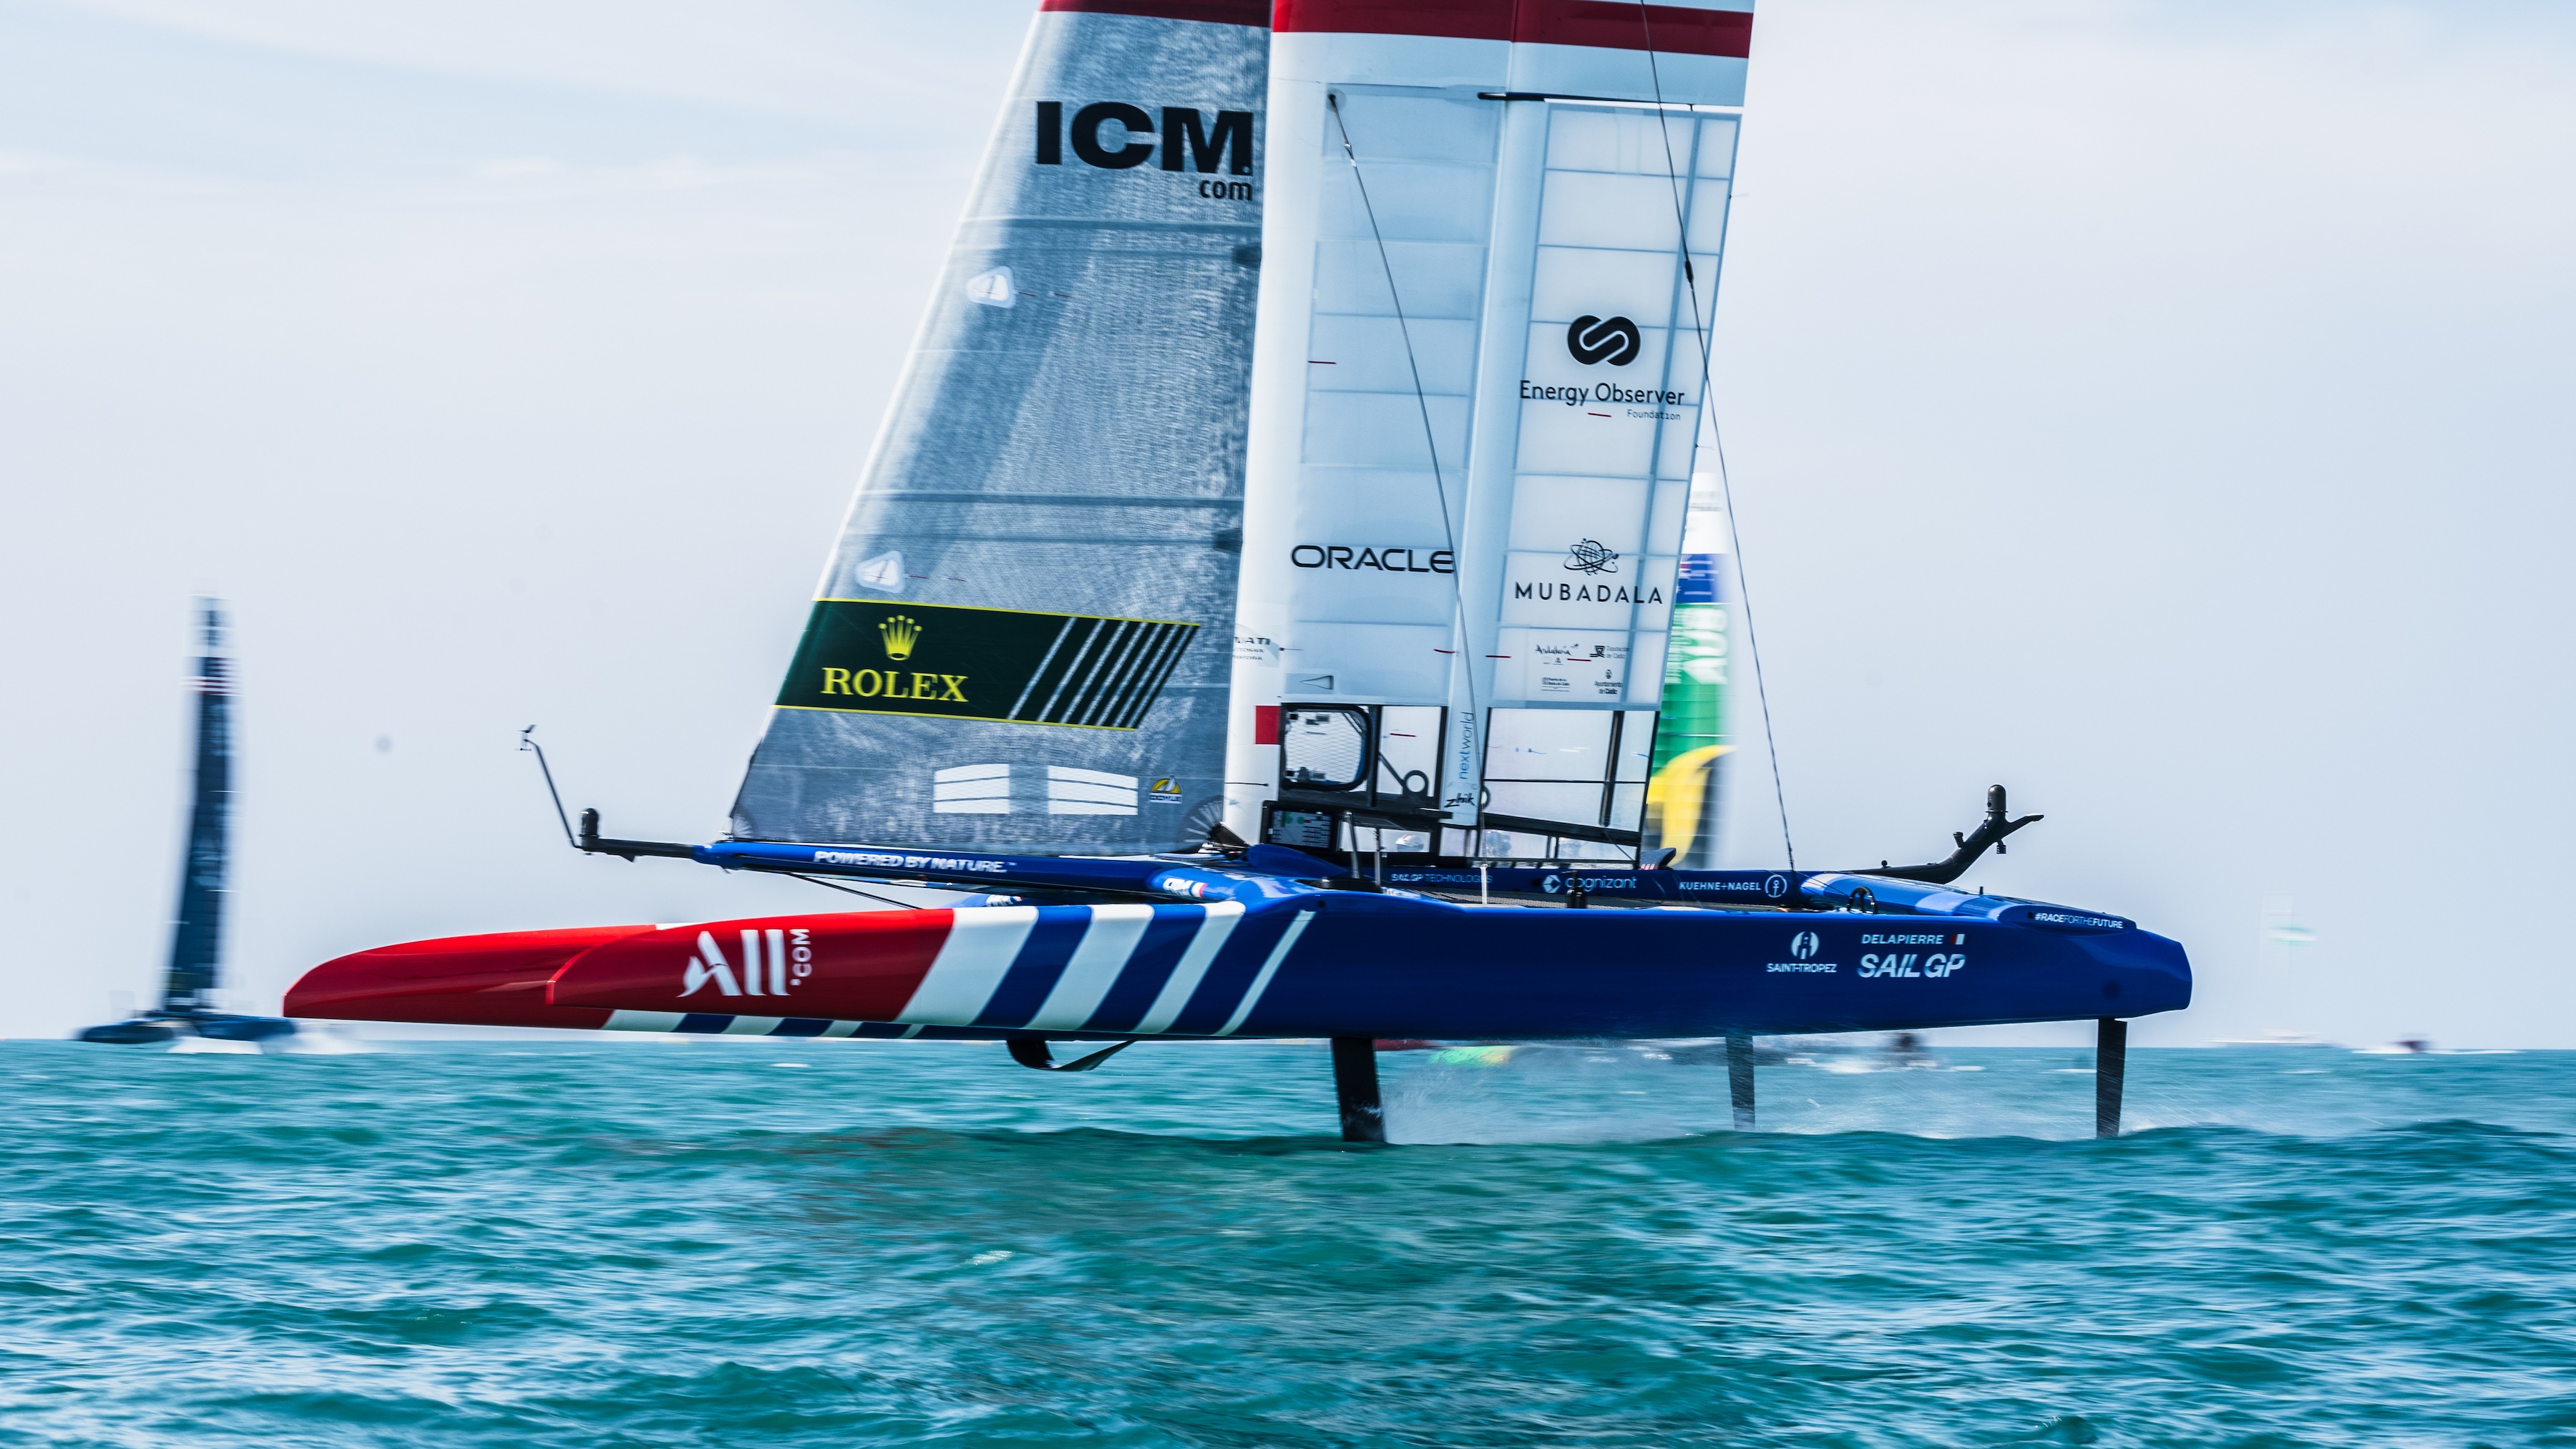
(1491, 248)
(1020, 641)
(196, 939)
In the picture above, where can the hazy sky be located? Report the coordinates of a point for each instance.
(2163, 409)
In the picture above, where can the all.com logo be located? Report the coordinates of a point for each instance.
(1613, 340)
(1804, 945)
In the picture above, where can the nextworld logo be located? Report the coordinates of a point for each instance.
(1116, 136)
(790, 957)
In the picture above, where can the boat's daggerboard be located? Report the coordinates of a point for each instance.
(1021, 640)
(1475, 400)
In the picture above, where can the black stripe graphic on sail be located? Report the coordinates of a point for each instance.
(865, 656)
(1127, 711)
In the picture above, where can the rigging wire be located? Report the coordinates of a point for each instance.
(1422, 402)
(851, 890)
(1701, 327)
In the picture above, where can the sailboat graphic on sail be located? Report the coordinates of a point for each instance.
(1373, 339)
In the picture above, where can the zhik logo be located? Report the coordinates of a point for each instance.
(1804, 945)
(790, 954)
(1615, 340)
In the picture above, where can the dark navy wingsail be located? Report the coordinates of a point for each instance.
(196, 941)
(188, 991)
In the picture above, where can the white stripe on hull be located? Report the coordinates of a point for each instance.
(1222, 917)
(973, 960)
(1106, 944)
(1269, 968)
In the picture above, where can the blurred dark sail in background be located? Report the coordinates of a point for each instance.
(188, 993)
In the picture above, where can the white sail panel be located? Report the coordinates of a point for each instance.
(1019, 642)
(1475, 398)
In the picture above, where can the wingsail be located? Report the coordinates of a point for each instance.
(1021, 638)
(191, 987)
(196, 938)
(1492, 244)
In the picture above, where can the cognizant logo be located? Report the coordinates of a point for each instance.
(1116, 136)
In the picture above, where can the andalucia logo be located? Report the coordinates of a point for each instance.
(900, 633)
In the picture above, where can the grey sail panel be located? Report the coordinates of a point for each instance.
(1023, 638)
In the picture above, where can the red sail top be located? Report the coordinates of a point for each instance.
(1608, 24)
(1213, 12)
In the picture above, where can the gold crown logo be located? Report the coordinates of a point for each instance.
(901, 633)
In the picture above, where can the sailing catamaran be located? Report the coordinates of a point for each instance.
(188, 991)
(1445, 498)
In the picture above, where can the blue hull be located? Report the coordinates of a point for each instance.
(1831, 952)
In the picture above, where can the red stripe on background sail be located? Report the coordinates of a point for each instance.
(1604, 24)
(855, 966)
(1670, 29)
(1213, 12)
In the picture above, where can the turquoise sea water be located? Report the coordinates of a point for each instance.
(812, 1243)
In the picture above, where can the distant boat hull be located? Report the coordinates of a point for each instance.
(212, 1026)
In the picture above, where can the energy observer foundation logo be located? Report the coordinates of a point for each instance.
(1596, 340)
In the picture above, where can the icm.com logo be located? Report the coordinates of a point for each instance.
(1804, 945)
(1116, 136)
(1612, 340)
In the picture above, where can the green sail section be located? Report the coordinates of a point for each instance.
(1683, 778)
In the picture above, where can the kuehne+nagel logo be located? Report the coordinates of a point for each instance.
(1614, 340)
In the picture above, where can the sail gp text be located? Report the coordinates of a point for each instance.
(1939, 963)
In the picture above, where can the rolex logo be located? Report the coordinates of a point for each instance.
(901, 632)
